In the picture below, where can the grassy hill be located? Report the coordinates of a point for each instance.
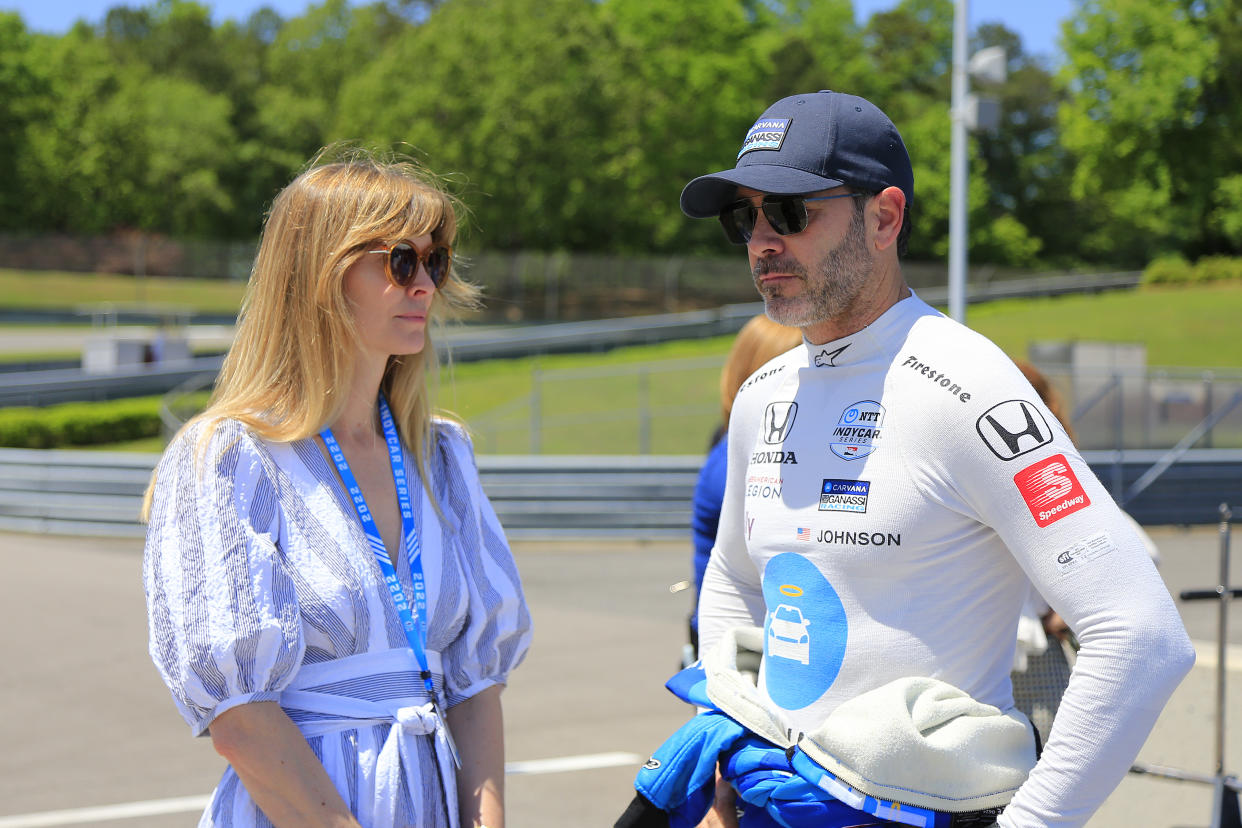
(50, 290)
(676, 383)
(1188, 326)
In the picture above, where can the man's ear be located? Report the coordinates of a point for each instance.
(889, 211)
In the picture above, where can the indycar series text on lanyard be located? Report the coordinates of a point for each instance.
(415, 624)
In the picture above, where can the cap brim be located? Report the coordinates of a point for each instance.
(705, 196)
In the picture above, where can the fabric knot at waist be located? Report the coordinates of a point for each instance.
(418, 721)
(378, 688)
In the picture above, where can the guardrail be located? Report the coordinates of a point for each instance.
(40, 388)
(97, 493)
(468, 344)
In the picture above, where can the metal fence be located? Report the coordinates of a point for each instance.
(98, 493)
(520, 285)
(668, 407)
(672, 407)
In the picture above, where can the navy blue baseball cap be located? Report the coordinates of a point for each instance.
(806, 143)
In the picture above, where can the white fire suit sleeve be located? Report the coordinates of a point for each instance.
(732, 593)
(1086, 558)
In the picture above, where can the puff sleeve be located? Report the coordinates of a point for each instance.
(497, 630)
(222, 610)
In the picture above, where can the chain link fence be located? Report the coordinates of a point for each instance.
(522, 285)
(673, 407)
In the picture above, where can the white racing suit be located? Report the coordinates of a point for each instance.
(888, 496)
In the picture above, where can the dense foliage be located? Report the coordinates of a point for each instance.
(573, 124)
(80, 424)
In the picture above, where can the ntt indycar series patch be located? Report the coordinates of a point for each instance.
(857, 430)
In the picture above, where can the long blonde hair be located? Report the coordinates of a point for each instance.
(288, 370)
(758, 341)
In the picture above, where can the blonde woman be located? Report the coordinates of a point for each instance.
(330, 595)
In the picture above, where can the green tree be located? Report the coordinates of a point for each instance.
(1153, 112)
(124, 147)
(174, 38)
(1026, 169)
(690, 79)
(511, 96)
(811, 45)
(910, 50)
(23, 100)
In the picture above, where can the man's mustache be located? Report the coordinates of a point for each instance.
(776, 264)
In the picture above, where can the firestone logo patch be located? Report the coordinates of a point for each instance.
(1051, 490)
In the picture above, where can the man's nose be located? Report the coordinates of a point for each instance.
(764, 241)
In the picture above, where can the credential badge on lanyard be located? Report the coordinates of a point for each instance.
(414, 623)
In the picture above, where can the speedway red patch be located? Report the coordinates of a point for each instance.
(1051, 490)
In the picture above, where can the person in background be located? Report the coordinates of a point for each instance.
(331, 598)
(759, 341)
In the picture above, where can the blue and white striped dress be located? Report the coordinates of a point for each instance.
(261, 587)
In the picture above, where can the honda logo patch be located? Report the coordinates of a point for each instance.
(1013, 428)
(778, 421)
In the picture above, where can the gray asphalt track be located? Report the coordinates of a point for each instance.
(87, 722)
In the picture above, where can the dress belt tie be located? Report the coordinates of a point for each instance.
(408, 718)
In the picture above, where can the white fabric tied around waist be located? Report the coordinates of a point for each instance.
(409, 716)
(915, 740)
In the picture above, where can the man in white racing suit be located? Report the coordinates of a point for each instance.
(894, 482)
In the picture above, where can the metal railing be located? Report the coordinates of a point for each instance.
(96, 493)
(475, 343)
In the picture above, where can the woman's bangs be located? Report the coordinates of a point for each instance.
(428, 213)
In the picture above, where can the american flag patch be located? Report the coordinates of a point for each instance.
(804, 534)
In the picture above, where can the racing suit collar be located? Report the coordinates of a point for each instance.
(880, 337)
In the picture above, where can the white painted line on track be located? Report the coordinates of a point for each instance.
(104, 813)
(591, 761)
(155, 807)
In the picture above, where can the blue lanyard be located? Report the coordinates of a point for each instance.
(415, 624)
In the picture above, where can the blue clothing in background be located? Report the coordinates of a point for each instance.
(708, 495)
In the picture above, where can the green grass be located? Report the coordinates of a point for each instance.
(587, 402)
(588, 405)
(52, 290)
(472, 389)
(1181, 327)
(1184, 326)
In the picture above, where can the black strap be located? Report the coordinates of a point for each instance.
(642, 814)
(976, 819)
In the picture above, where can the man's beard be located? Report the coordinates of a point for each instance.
(838, 280)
